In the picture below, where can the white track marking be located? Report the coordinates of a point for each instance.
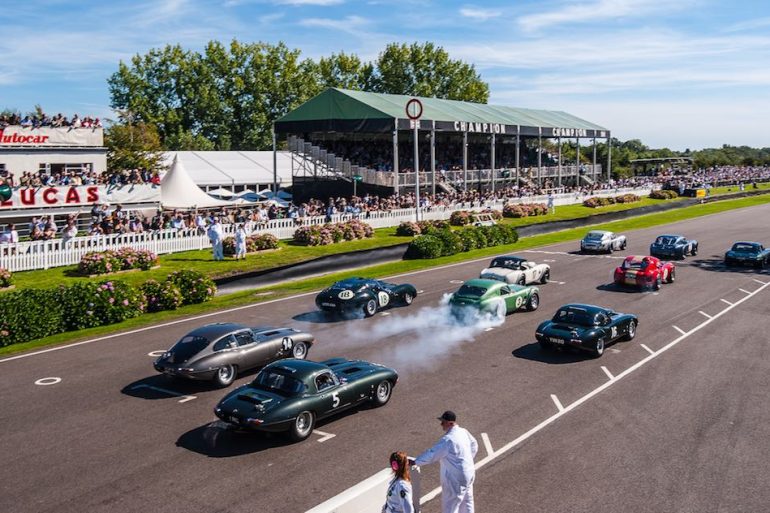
(557, 402)
(455, 281)
(489, 328)
(184, 397)
(48, 381)
(607, 372)
(707, 316)
(760, 281)
(385, 313)
(559, 282)
(725, 301)
(745, 291)
(324, 436)
(648, 349)
(420, 291)
(156, 354)
(601, 388)
(549, 260)
(487, 444)
(680, 330)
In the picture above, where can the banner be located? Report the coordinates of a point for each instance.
(48, 136)
(37, 197)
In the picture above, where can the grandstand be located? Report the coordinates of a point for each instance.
(340, 134)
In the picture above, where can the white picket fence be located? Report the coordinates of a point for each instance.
(25, 256)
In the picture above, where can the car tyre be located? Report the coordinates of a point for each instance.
(599, 349)
(631, 331)
(623, 245)
(672, 276)
(382, 393)
(225, 375)
(546, 276)
(370, 308)
(521, 281)
(533, 302)
(302, 426)
(299, 351)
(694, 251)
(656, 285)
(408, 298)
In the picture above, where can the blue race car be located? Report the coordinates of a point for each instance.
(673, 246)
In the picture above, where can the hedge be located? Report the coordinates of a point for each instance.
(598, 201)
(664, 194)
(330, 233)
(103, 262)
(466, 217)
(524, 209)
(410, 228)
(37, 313)
(254, 243)
(447, 242)
(6, 278)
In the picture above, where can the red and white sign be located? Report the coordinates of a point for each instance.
(37, 197)
(414, 109)
(48, 136)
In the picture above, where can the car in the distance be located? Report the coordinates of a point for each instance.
(673, 246)
(601, 241)
(218, 352)
(646, 272)
(364, 295)
(747, 253)
(492, 297)
(512, 269)
(290, 396)
(586, 327)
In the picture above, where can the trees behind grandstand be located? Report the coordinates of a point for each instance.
(227, 96)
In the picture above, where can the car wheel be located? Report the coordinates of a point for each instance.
(521, 281)
(599, 349)
(694, 250)
(672, 276)
(382, 393)
(761, 264)
(299, 351)
(408, 298)
(534, 302)
(656, 285)
(623, 245)
(225, 375)
(546, 277)
(631, 331)
(370, 308)
(302, 426)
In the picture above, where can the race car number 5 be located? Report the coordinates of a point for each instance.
(335, 399)
(287, 343)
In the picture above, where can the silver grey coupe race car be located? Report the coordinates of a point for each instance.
(520, 271)
(600, 241)
(218, 352)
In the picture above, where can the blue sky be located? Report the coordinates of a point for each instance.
(676, 73)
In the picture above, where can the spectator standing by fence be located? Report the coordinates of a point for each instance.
(240, 242)
(215, 235)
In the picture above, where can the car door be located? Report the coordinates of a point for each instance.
(382, 293)
(529, 272)
(333, 396)
(248, 350)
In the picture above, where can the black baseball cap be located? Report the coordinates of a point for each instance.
(448, 416)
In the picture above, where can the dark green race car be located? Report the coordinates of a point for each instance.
(748, 253)
(586, 327)
(493, 297)
(291, 395)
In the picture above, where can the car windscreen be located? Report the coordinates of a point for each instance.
(270, 379)
(188, 347)
(575, 316)
(745, 248)
(507, 263)
(594, 236)
(471, 291)
(665, 241)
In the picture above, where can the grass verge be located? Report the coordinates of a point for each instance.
(384, 270)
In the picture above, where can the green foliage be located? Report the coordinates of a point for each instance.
(161, 295)
(131, 146)
(30, 314)
(103, 262)
(331, 233)
(195, 287)
(254, 243)
(447, 242)
(6, 278)
(460, 218)
(515, 210)
(408, 229)
(598, 201)
(664, 194)
(425, 246)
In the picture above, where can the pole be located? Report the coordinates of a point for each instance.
(354, 186)
(594, 161)
(539, 156)
(395, 158)
(433, 158)
(518, 155)
(275, 164)
(558, 169)
(577, 162)
(493, 163)
(609, 158)
(416, 171)
(465, 161)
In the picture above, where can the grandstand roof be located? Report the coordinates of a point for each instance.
(358, 111)
(225, 168)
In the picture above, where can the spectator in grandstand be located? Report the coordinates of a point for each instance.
(10, 235)
(70, 231)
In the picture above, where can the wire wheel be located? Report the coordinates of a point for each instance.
(299, 351)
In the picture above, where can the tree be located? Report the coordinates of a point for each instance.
(345, 72)
(131, 146)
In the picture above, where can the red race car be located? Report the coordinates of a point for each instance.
(644, 272)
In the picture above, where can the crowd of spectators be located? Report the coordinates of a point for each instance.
(82, 176)
(44, 120)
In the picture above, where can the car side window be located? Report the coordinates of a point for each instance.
(244, 338)
(223, 343)
(324, 381)
(504, 291)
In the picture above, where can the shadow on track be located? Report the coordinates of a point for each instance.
(717, 264)
(164, 387)
(614, 287)
(319, 317)
(535, 353)
(218, 440)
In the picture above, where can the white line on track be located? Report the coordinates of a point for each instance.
(156, 354)
(601, 388)
(725, 301)
(489, 328)
(607, 372)
(745, 291)
(680, 330)
(324, 436)
(420, 291)
(707, 316)
(184, 397)
(760, 281)
(557, 402)
(53, 380)
(385, 313)
(487, 444)
(647, 349)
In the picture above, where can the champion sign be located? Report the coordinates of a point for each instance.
(484, 128)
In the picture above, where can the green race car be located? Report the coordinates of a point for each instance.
(493, 297)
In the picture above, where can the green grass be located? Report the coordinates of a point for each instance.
(717, 191)
(383, 270)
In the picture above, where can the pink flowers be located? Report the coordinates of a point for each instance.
(322, 235)
(524, 209)
(122, 259)
(6, 278)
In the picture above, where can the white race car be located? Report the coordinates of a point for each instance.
(601, 241)
(521, 271)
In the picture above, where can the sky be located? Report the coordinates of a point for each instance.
(682, 74)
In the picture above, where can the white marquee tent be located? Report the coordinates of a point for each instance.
(234, 170)
(178, 190)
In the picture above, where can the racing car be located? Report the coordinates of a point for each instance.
(586, 327)
(218, 352)
(290, 396)
(644, 272)
(364, 295)
(747, 253)
(521, 271)
(601, 241)
(673, 246)
(493, 297)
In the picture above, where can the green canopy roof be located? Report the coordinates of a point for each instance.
(360, 110)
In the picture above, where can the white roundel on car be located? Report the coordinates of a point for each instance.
(345, 294)
(519, 300)
(383, 297)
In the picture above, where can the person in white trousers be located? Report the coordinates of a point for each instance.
(215, 235)
(240, 242)
(455, 451)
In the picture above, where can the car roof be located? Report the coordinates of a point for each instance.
(672, 235)
(299, 369)
(352, 282)
(600, 232)
(591, 309)
(510, 257)
(483, 283)
(747, 242)
(216, 330)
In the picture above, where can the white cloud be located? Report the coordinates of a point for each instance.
(749, 25)
(309, 2)
(348, 24)
(597, 10)
(477, 13)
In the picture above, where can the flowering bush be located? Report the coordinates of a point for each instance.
(30, 314)
(627, 198)
(6, 278)
(195, 287)
(161, 296)
(447, 242)
(87, 304)
(330, 233)
(254, 243)
(525, 209)
(664, 194)
(460, 218)
(408, 229)
(103, 262)
(601, 202)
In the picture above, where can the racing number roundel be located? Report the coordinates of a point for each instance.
(287, 343)
(519, 301)
(383, 298)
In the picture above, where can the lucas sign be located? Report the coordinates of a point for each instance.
(37, 197)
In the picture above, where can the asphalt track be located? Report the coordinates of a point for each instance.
(680, 429)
